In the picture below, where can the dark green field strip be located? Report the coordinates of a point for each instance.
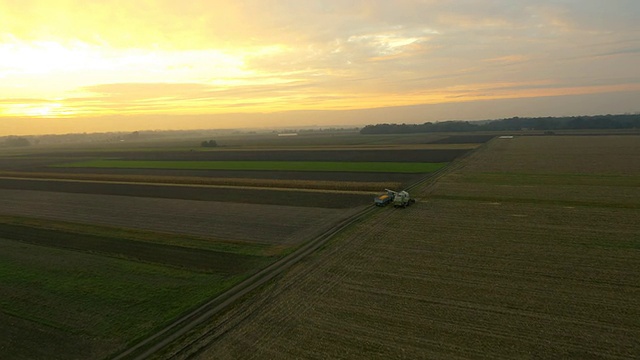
(189, 258)
(25, 163)
(468, 282)
(147, 236)
(237, 195)
(500, 199)
(550, 179)
(394, 167)
(18, 335)
(67, 304)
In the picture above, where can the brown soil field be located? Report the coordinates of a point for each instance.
(201, 193)
(272, 224)
(461, 277)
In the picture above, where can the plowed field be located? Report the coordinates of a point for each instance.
(471, 276)
(222, 220)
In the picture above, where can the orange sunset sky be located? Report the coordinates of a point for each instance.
(85, 66)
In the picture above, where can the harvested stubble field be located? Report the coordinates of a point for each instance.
(466, 276)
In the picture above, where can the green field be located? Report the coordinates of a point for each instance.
(81, 297)
(396, 167)
(92, 290)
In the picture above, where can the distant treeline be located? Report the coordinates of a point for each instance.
(512, 124)
(15, 141)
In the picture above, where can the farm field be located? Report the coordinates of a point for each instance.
(528, 248)
(60, 303)
(223, 221)
(93, 260)
(350, 161)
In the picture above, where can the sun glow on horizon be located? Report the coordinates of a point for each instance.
(49, 110)
(70, 59)
(76, 74)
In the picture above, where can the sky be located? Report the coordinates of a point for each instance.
(124, 65)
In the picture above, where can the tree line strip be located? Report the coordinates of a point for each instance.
(598, 122)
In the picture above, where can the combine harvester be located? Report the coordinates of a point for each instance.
(399, 199)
